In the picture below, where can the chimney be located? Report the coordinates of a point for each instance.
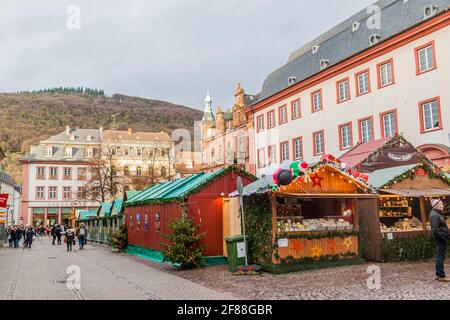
(130, 131)
(67, 130)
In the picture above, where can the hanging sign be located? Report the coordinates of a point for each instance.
(283, 243)
(3, 199)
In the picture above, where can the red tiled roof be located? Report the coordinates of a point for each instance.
(361, 152)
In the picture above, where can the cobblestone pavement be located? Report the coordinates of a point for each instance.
(40, 273)
(399, 281)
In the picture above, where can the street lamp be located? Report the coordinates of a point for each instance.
(7, 214)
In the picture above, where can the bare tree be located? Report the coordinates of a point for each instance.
(104, 180)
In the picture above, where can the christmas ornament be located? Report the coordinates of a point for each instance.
(331, 246)
(284, 177)
(304, 166)
(297, 245)
(316, 180)
(348, 243)
(316, 252)
(295, 169)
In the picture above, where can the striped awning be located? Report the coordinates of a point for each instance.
(426, 192)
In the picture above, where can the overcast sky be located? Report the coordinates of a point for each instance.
(161, 49)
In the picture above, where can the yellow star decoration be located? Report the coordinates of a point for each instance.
(316, 252)
(348, 243)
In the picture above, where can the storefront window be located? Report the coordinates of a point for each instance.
(52, 216)
(38, 216)
(65, 216)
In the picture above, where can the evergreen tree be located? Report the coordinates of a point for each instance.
(183, 247)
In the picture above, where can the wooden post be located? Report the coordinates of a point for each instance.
(423, 213)
(355, 215)
(273, 200)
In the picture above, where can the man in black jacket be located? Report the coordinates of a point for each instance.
(58, 233)
(441, 236)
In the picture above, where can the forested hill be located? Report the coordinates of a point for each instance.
(28, 117)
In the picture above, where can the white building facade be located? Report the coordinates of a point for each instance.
(55, 174)
(334, 94)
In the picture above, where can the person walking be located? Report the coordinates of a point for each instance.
(441, 235)
(69, 239)
(53, 233)
(29, 234)
(17, 237)
(81, 234)
(58, 233)
(12, 236)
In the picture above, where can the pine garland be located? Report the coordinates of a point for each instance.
(315, 236)
(432, 174)
(182, 198)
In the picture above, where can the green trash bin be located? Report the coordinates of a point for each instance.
(236, 251)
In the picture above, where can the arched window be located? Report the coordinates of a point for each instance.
(139, 171)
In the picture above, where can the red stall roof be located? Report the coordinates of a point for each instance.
(361, 151)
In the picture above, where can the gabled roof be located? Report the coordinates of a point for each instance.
(361, 151)
(131, 193)
(259, 186)
(106, 209)
(136, 136)
(384, 153)
(178, 189)
(80, 136)
(341, 42)
(86, 214)
(117, 207)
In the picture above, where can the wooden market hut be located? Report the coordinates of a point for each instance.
(200, 196)
(104, 221)
(404, 204)
(406, 180)
(313, 219)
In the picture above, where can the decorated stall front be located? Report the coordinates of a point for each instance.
(406, 181)
(310, 217)
(404, 206)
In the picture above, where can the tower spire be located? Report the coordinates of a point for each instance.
(208, 115)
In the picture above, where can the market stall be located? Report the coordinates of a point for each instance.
(315, 218)
(200, 197)
(404, 203)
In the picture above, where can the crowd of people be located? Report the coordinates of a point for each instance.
(15, 234)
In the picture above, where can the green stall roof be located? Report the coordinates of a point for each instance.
(117, 207)
(131, 193)
(178, 189)
(86, 214)
(381, 177)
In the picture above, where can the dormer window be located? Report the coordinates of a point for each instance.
(72, 137)
(355, 26)
(48, 152)
(292, 80)
(374, 39)
(89, 138)
(68, 152)
(324, 64)
(315, 49)
(429, 11)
